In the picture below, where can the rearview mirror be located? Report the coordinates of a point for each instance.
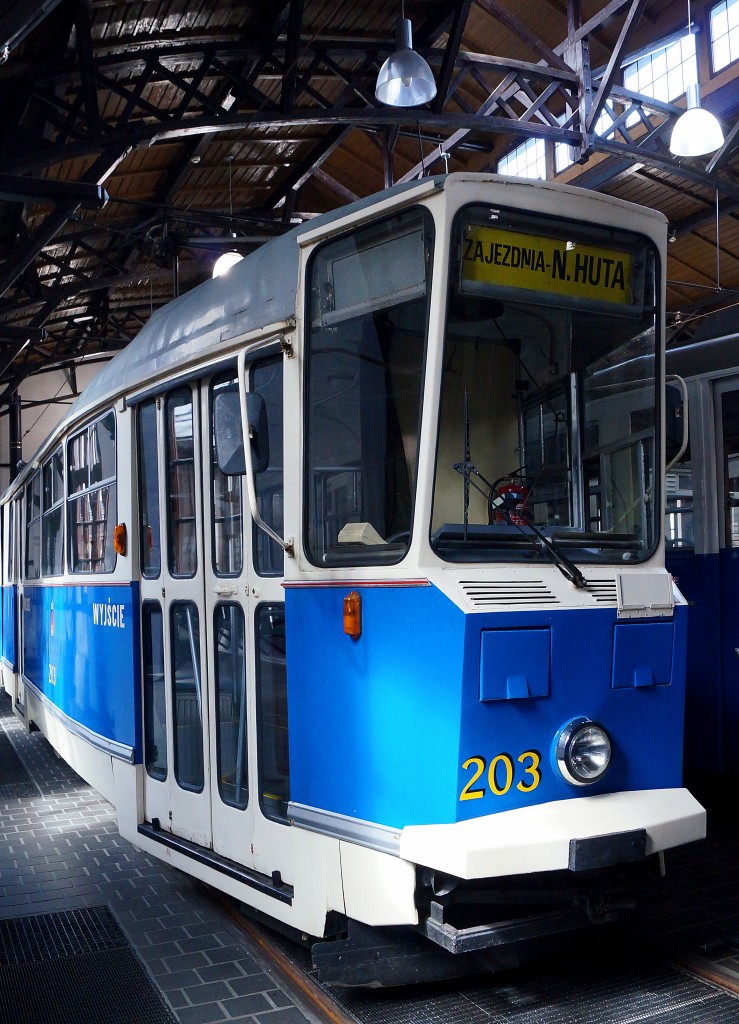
(229, 440)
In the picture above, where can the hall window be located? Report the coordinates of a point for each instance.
(724, 34)
(664, 73)
(528, 160)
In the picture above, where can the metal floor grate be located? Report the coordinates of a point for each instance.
(74, 968)
(25, 940)
(610, 984)
(630, 992)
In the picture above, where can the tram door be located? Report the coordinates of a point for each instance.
(173, 614)
(212, 628)
(727, 414)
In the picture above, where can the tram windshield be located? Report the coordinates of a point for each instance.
(549, 402)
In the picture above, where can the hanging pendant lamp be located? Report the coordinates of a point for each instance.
(696, 132)
(228, 259)
(405, 79)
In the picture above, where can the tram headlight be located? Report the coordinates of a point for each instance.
(583, 752)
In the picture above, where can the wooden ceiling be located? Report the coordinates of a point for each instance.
(139, 138)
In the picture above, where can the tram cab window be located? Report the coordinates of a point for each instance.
(91, 497)
(549, 401)
(51, 522)
(33, 527)
(368, 313)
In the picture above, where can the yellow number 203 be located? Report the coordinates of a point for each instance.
(501, 774)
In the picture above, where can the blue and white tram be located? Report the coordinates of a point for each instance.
(410, 659)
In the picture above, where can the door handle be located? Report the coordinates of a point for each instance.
(222, 591)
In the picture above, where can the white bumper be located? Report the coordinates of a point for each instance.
(538, 838)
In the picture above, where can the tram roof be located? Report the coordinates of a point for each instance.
(257, 291)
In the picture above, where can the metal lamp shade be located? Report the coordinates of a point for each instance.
(405, 79)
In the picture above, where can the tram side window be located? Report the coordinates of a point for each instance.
(368, 321)
(679, 505)
(274, 759)
(155, 701)
(10, 551)
(92, 497)
(188, 696)
(266, 380)
(33, 527)
(730, 432)
(151, 555)
(181, 532)
(51, 521)
(226, 508)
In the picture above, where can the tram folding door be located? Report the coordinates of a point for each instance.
(209, 597)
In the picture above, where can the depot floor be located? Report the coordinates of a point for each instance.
(151, 945)
(131, 938)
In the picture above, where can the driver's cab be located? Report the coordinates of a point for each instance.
(548, 400)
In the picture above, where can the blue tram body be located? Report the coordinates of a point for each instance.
(81, 658)
(384, 737)
(362, 672)
(9, 626)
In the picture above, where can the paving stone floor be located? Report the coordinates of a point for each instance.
(60, 850)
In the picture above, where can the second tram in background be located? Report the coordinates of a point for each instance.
(405, 671)
(702, 542)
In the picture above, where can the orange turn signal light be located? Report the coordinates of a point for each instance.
(120, 538)
(353, 615)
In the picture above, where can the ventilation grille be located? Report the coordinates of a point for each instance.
(603, 591)
(491, 594)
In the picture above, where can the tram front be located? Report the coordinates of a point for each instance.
(485, 653)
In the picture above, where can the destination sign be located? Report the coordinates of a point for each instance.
(511, 259)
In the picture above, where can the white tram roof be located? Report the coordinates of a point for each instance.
(257, 291)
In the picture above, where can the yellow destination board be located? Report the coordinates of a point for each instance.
(511, 259)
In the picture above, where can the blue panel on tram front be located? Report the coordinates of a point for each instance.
(80, 651)
(390, 728)
(514, 663)
(642, 653)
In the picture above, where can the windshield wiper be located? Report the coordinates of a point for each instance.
(543, 543)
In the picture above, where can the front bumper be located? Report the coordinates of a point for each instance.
(538, 838)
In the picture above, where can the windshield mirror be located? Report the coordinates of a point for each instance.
(549, 404)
